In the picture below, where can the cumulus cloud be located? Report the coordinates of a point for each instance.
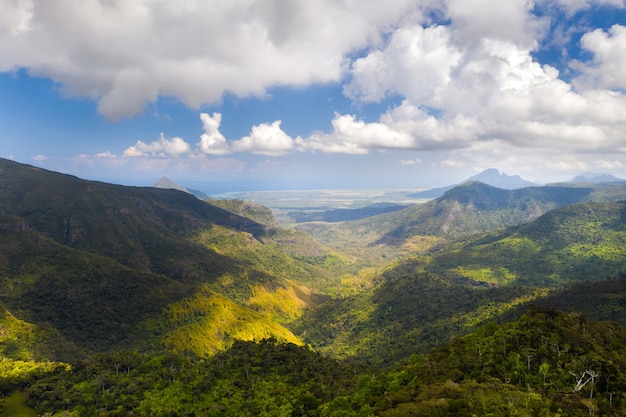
(464, 76)
(125, 54)
(477, 79)
(608, 66)
(416, 62)
(15, 17)
(212, 142)
(354, 136)
(265, 139)
(161, 147)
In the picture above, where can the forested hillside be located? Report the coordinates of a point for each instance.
(95, 266)
(546, 363)
(462, 211)
(443, 308)
(422, 301)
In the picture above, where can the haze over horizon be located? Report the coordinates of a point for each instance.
(314, 94)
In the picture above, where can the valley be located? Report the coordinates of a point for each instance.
(152, 301)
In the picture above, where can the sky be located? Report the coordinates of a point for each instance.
(235, 95)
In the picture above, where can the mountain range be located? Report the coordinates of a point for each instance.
(496, 178)
(100, 282)
(594, 178)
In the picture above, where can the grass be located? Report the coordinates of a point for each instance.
(15, 406)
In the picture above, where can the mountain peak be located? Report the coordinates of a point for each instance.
(165, 182)
(496, 178)
(592, 177)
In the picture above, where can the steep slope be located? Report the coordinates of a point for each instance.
(465, 210)
(576, 243)
(94, 302)
(419, 303)
(406, 310)
(100, 264)
(143, 228)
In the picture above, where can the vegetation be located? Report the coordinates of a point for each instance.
(91, 267)
(570, 244)
(546, 363)
(139, 301)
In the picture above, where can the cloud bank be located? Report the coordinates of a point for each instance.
(465, 74)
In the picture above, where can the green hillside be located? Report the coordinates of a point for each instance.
(418, 303)
(576, 243)
(462, 211)
(96, 267)
(226, 313)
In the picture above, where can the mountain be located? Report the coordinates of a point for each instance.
(582, 242)
(495, 178)
(421, 301)
(470, 208)
(102, 267)
(167, 183)
(591, 177)
(490, 176)
(162, 304)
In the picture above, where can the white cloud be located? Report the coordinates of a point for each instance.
(477, 80)
(15, 16)
(161, 147)
(106, 154)
(415, 161)
(508, 21)
(469, 83)
(354, 136)
(265, 139)
(212, 141)
(124, 54)
(608, 66)
(416, 62)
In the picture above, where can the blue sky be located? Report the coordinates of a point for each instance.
(294, 94)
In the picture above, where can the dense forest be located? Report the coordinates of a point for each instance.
(546, 363)
(131, 301)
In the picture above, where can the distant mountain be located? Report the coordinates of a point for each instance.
(472, 207)
(495, 178)
(490, 176)
(167, 183)
(593, 178)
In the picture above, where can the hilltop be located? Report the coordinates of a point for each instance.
(167, 183)
(490, 176)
